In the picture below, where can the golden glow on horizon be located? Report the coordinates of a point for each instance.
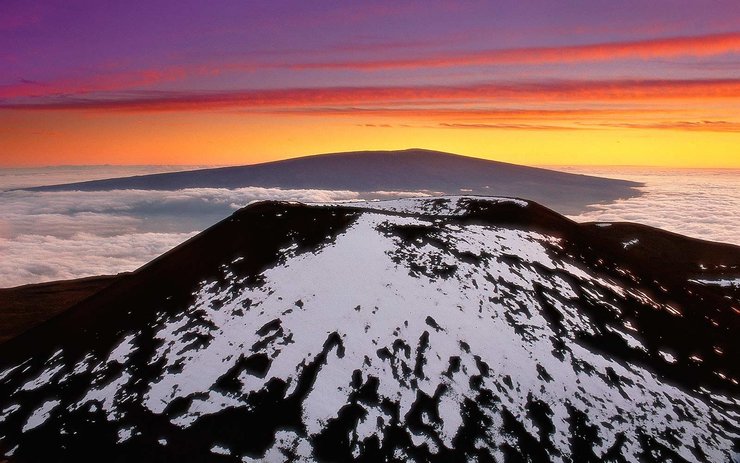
(691, 123)
(585, 85)
(60, 137)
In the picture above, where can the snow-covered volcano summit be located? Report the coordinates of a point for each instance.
(446, 329)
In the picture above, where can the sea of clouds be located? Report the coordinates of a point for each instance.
(59, 235)
(48, 236)
(701, 203)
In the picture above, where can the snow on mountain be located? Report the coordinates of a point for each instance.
(434, 329)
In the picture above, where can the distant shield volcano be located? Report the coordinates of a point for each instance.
(369, 172)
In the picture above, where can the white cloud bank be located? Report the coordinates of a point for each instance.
(48, 236)
(702, 204)
(36, 258)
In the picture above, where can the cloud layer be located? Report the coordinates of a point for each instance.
(702, 204)
(48, 236)
(707, 45)
(51, 236)
(618, 90)
(662, 48)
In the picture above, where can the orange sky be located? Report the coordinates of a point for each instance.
(537, 85)
(619, 122)
(155, 138)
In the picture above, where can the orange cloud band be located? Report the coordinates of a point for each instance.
(104, 82)
(551, 91)
(700, 126)
(707, 45)
(476, 114)
(697, 46)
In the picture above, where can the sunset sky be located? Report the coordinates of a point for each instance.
(530, 82)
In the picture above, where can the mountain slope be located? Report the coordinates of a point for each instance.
(449, 329)
(25, 306)
(373, 171)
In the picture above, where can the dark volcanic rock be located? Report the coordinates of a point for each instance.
(26, 306)
(442, 329)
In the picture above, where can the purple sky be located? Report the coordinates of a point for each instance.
(203, 45)
(69, 70)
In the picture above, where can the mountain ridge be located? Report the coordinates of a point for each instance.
(35, 298)
(473, 311)
(23, 307)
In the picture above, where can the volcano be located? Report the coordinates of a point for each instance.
(383, 174)
(433, 329)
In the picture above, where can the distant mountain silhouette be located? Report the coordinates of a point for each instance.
(373, 171)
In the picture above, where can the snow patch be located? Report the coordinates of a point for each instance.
(40, 415)
(724, 282)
